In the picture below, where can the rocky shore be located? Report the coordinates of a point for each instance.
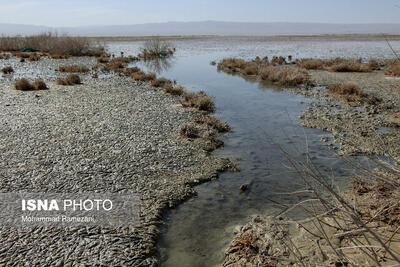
(109, 134)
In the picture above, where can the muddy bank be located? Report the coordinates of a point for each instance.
(107, 135)
(357, 128)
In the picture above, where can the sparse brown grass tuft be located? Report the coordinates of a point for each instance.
(7, 70)
(373, 64)
(160, 82)
(103, 59)
(71, 79)
(170, 89)
(141, 76)
(73, 68)
(232, 64)
(24, 85)
(199, 101)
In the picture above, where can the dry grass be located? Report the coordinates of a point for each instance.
(351, 92)
(263, 69)
(53, 43)
(287, 77)
(160, 82)
(173, 90)
(71, 79)
(311, 64)
(214, 123)
(156, 48)
(141, 76)
(189, 130)
(25, 85)
(7, 70)
(350, 66)
(73, 68)
(40, 85)
(199, 101)
(373, 64)
(103, 59)
(393, 69)
(129, 71)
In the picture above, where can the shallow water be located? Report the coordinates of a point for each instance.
(264, 120)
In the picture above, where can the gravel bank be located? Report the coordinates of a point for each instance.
(107, 135)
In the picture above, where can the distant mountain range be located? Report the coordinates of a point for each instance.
(206, 28)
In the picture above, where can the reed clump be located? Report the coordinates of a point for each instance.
(25, 85)
(351, 92)
(286, 77)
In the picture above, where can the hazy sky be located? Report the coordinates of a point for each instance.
(102, 12)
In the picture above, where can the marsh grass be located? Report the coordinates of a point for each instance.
(393, 69)
(160, 82)
(142, 76)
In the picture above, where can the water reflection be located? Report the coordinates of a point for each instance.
(158, 65)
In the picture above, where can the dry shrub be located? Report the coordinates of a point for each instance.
(160, 82)
(141, 76)
(288, 77)
(34, 57)
(170, 89)
(24, 85)
(71, 79)
(391, 61)
(156, 48)
(40, 85)
(213, 123)
(73, 68)
(199, 101)
(311, 64)
(7, 70)
(393, 69)
(54, 44)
